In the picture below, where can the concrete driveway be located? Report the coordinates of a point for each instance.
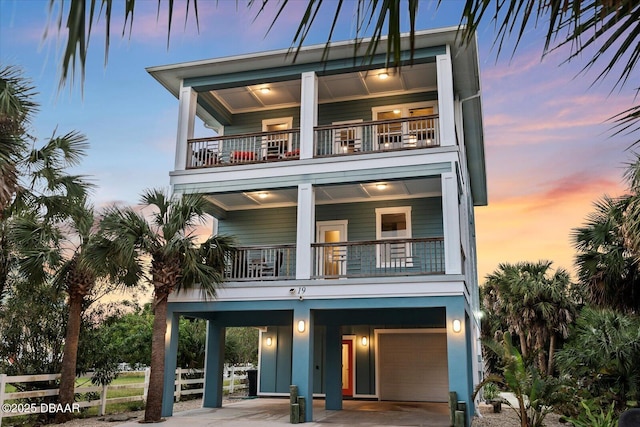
(275, 412)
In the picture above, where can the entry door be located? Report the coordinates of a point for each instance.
(332, 259)
(347, 367)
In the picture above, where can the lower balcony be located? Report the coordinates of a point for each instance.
(378, 258)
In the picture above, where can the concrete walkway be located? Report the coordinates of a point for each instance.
(275, 412)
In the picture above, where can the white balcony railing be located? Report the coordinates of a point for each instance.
(336, 140)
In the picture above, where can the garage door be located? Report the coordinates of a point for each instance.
(413, 367)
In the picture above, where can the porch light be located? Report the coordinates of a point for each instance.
(263, 195)
(383, 76)
(265, 90)
(269, 341)
(457, 326)
(301, 326)
(381, 186)
(365, 341)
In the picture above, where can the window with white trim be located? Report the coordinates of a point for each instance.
(393, 224)
(406, 125)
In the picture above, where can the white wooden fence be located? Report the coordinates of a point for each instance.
(13, 404)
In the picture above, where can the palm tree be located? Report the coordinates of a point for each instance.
(536, 305)
(16, 110)
(61, 247)
(177, 263)
(51, 229)
(611, 28)
(603, 352)
(631, 216)
(607, 269)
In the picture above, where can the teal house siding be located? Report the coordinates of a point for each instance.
(361, 109)
(426, 217)
(276, 226)
(275, 362)
(252, 122)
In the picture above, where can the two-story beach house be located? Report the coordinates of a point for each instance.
(350, 188)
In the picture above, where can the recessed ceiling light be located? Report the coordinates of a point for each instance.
(383, 76)
(263, 195)
(396, 111)
(381, 186)
(265, 90)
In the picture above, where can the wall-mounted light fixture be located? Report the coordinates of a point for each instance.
(457, 326)
(365, 341)
(269, 341)
(301, 326)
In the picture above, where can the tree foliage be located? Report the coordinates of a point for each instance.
(536, 305)
(603, 353)
(608, 249)
(535, 393)
(177, 262)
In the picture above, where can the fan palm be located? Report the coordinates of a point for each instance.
(631, 218)
(536, 306)
(177, 263)
(16, 111)
(60, 248)
(607, 269)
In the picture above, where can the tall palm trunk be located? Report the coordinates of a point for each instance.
(552, 350)
(70, 356)
(153, 410)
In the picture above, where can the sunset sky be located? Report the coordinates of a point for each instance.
(549, 150)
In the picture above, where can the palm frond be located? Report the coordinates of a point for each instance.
(79, 24)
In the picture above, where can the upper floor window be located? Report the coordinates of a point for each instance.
(393, 224)
(276, 144)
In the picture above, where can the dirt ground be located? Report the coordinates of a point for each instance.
(508, 418)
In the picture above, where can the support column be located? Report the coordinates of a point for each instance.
(333, 368)
(213, 366)
(451, 223)
(302, 356)
(170, 361)
(305, 230)
(458, 357)
(308, 113)
(186, 121)
(445, 99)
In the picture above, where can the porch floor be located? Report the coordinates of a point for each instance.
(273, 411)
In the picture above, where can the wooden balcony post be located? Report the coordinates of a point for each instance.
(186, 121)
(445, 99)
(308, 113)
(305, 227)
(451, 223)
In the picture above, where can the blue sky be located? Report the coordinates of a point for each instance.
(548, 149)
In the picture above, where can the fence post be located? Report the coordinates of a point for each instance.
(178, 383)
(233, 379)
(3, 381)
(147, 373)
(103, 400)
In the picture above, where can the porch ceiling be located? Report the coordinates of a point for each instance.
(329, 194)
(331, 88)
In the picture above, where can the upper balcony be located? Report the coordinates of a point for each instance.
(332, 140)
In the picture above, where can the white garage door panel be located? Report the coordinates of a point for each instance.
(413, 367)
